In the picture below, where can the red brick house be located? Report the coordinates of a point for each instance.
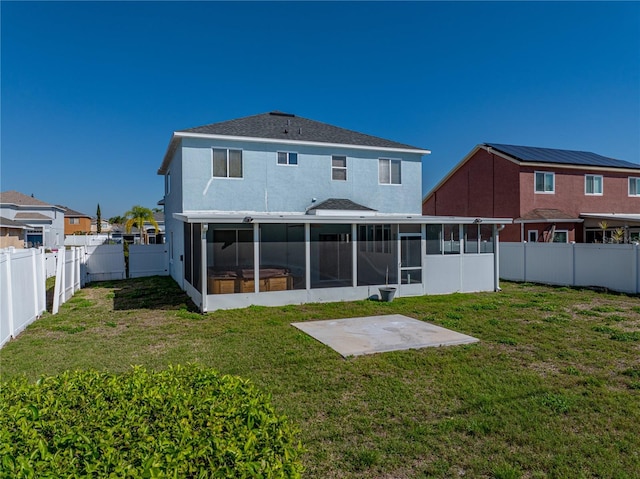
(553, 195)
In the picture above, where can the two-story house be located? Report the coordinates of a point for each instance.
(278, 209)
(76, 222)
(44, 222)
(553, 195)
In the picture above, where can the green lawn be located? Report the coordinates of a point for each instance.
(551, 390)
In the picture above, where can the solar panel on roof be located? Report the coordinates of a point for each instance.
(552, 155)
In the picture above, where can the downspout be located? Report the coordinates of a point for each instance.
(496, 254)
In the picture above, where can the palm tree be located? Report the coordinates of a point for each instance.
(138, 216)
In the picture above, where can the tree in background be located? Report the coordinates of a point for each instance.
(117, 220)
(98, 220)
(138, 216)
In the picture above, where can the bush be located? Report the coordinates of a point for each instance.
(182, 422)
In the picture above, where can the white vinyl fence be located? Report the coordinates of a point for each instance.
(612, 266)
(86, 240)
(105, 262)
(69, 275)
(22, 290)
(23, 275)
(148, 260)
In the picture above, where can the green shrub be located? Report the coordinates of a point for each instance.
(182, 422)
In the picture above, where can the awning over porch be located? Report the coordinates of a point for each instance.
(274, 218)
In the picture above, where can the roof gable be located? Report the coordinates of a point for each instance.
(556, 156)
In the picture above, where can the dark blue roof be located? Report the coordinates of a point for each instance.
(567, 157)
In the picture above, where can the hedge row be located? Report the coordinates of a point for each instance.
(184, 422)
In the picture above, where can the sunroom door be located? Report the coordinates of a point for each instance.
(410, 263)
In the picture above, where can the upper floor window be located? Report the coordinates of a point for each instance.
(593, 184)
(287, 158)
(389, 171)
(227, 163)
(634, 186)
(167, 183)
(339, 168)
(74, 221)
(545, 182)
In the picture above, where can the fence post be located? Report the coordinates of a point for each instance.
(59, 281)
(524, 261)
(9, 294)
(637, 255)
(573, 264)
(34, 271)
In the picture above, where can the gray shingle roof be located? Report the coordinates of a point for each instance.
(69, 213)
(547, 214)
(29, 215)
(286, 126)
(339, 204)
(567, 157)
(7, 223)
(17, 198)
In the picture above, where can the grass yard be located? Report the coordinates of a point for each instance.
(552, 390)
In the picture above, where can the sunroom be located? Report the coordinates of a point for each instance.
(237, 260)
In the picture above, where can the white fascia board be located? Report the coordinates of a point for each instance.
(216, 217)
(551, 220)
(612, 216)
(297, 142)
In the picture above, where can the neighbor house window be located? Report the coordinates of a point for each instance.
(593, 184)
(389, 171)
(74, 221)
(561, 236)
(532, 236)
(634, 186)
(227, 163)
(339, 168)
(167, 183)
(545, 182)
(287, 158)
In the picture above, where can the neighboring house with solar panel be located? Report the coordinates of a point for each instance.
(44, 222)
(553, 195)
(277, 209)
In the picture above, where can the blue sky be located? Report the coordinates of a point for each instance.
(92, 91)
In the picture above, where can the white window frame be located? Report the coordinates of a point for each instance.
(339, 168)
(389, 162)
(227, 153)
(593, 193)
(635, 180)
(167, 180)
(74, 221)
(533, 233)
(566, 232)
(288, 153)
(544, 191)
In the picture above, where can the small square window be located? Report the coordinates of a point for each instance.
(593, 184)
(634, 186)
(545, 182)
(339, 168)
(287, 158)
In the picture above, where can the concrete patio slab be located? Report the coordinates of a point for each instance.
(378, 334)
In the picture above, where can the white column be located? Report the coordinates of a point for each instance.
(10, 293)
(307, 255)
(354, 255)
(256, 257)
(203, 265)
